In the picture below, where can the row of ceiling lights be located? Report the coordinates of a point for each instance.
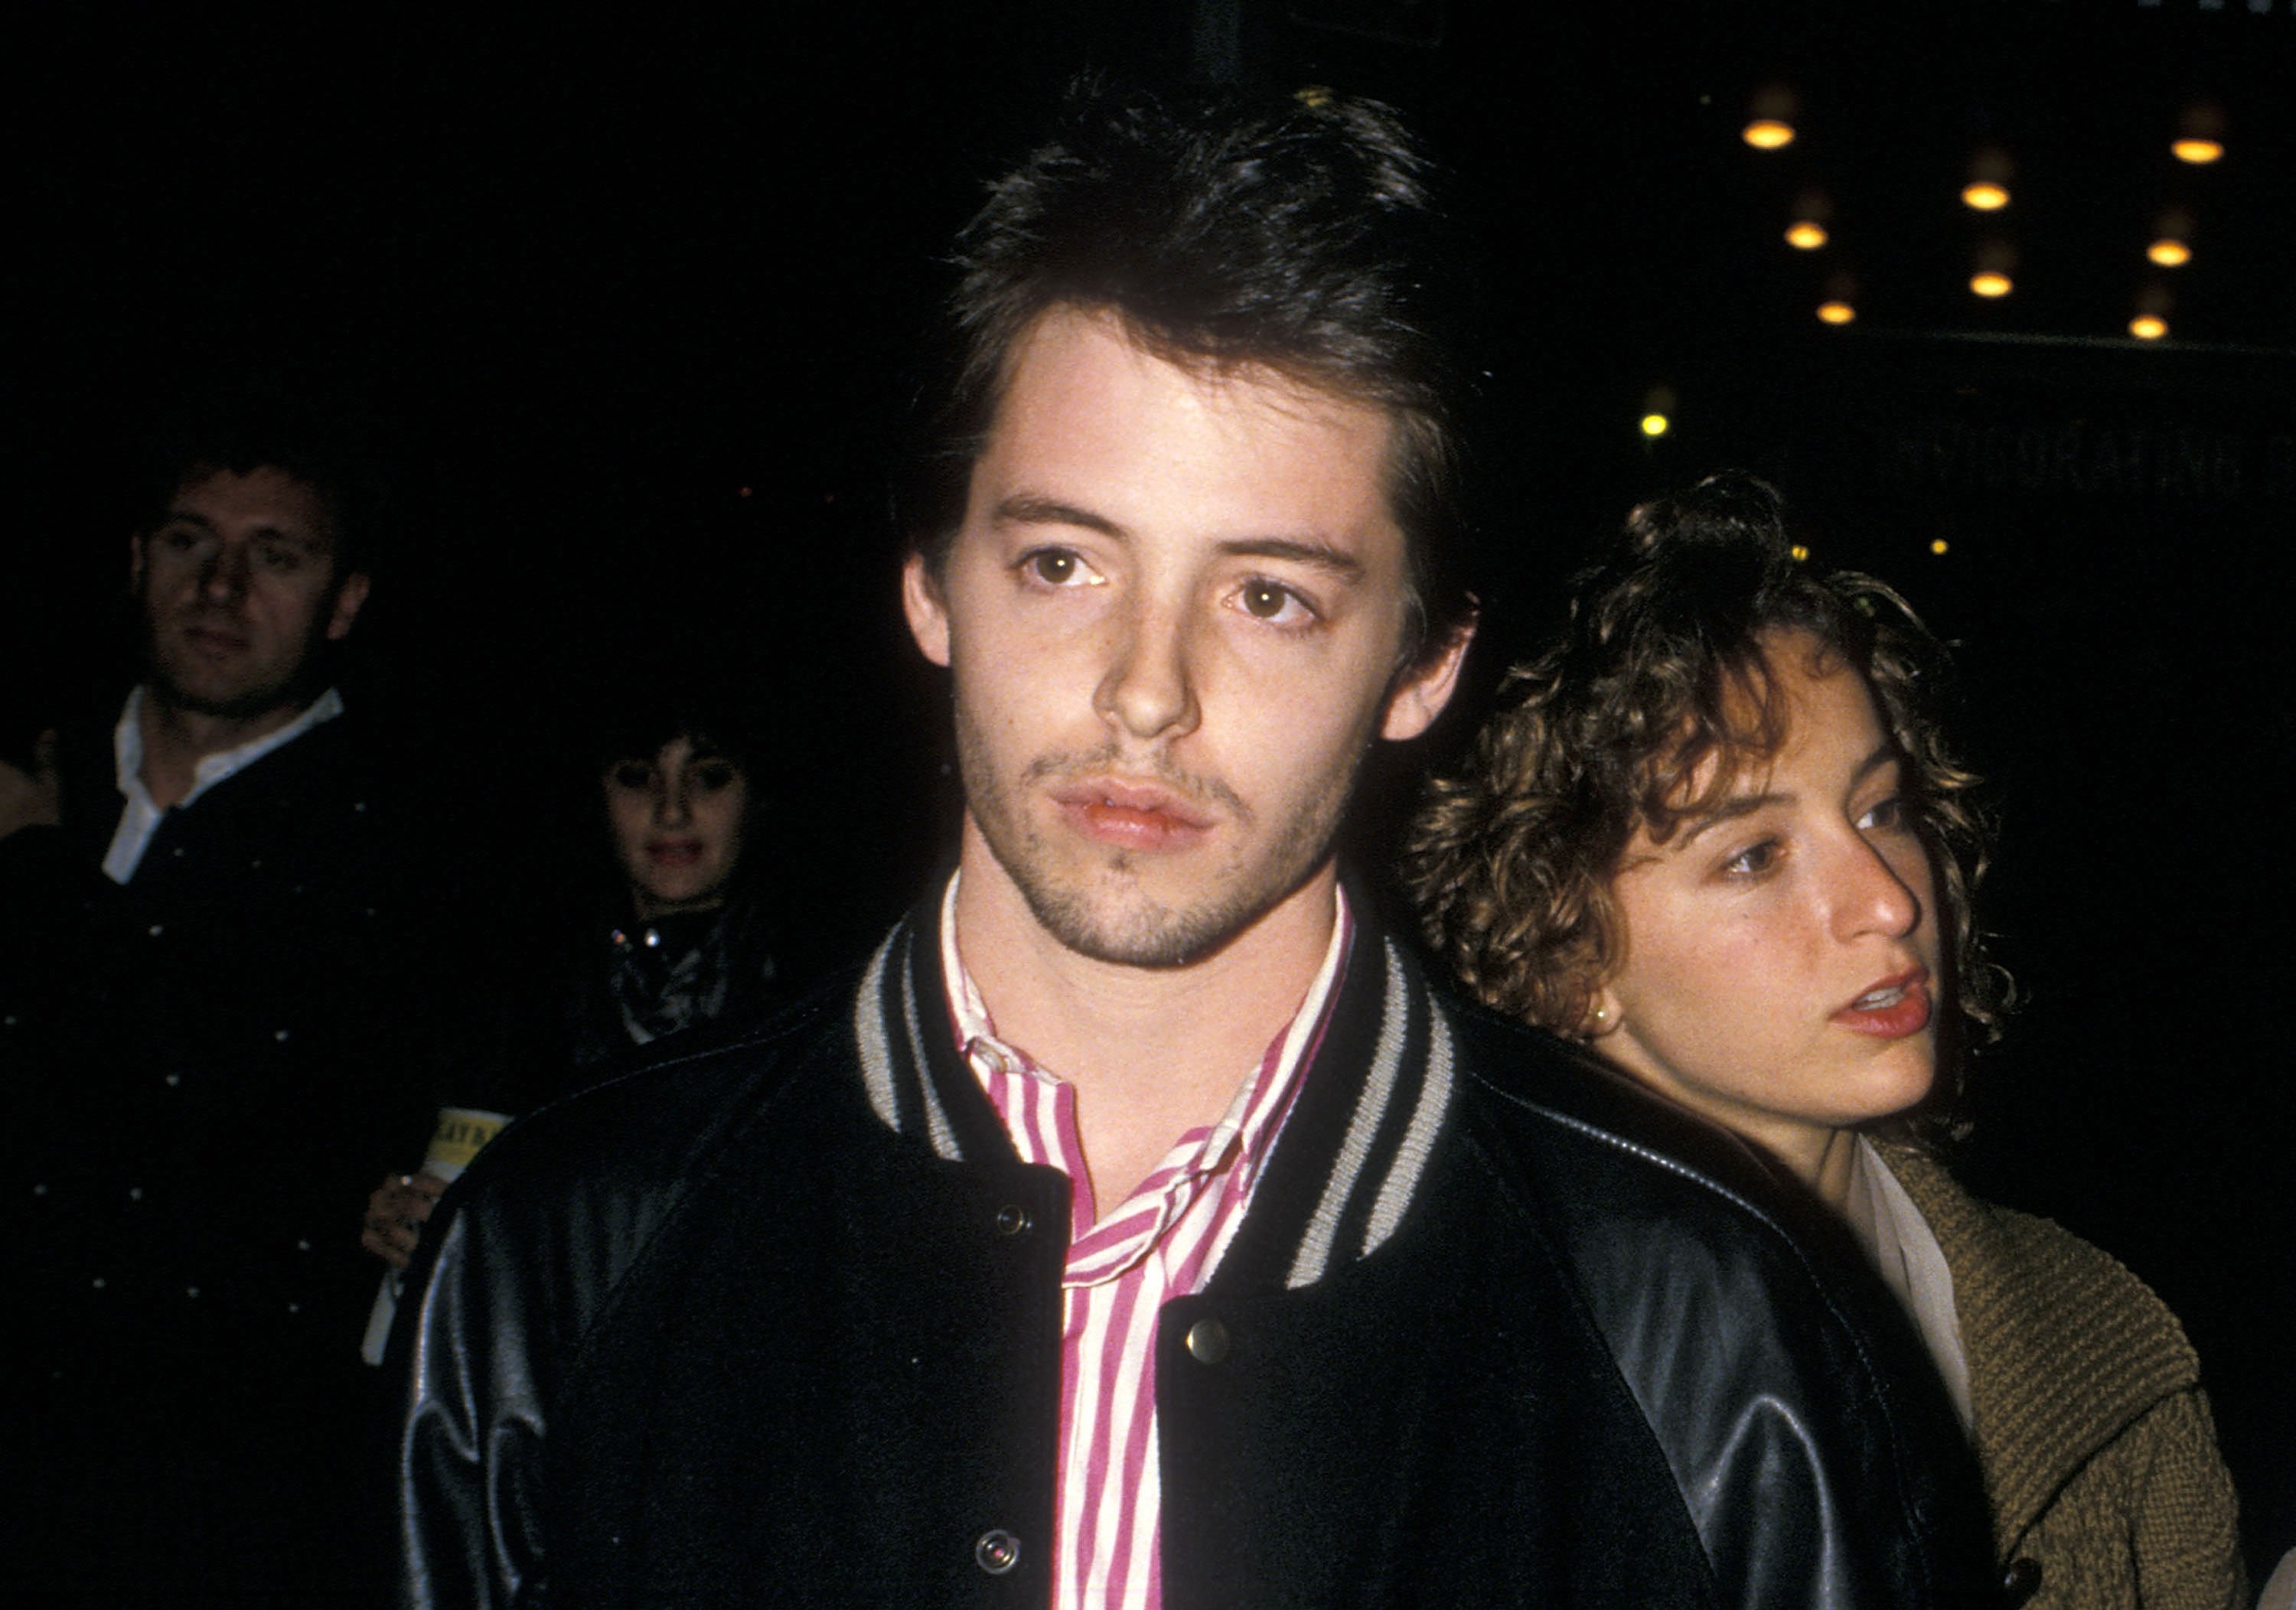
(2199, 142)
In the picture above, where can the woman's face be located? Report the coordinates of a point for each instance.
(676, 824)
(1782, 953)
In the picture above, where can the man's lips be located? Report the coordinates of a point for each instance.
(1130, 815)
(213, 638)
(673, 852)
(1892, 1008)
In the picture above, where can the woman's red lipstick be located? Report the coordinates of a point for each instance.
(1892, 1008)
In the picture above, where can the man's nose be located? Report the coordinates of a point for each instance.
(1148, 689)
(670, 806)
(223, 577)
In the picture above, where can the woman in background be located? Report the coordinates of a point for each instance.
(681, 937)
(1715, 833)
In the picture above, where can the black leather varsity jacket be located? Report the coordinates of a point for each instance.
(778, 1323)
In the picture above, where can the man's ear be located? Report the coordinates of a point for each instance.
(1424, 687)
(928, 611)
(135, 562)
(348, 599)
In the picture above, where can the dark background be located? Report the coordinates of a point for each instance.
(632, 302)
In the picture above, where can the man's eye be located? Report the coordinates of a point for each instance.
(630, 774)
(179, 539)
(282, 559)
(1058, 568)
(715, 776)
(1274, 602)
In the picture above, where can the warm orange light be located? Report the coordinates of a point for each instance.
(1991, 284)
(1799, 552)
(2200, 153)
(1985, 197)
(1836, 313)
(1656, 424)
(2169, 253)
(1938, 545)
(2147, 327)
(1768, 133)
(1806, 236)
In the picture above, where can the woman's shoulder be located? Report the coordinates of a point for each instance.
(2078, 1295)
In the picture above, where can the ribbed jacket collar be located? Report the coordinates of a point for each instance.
(1352, 1156)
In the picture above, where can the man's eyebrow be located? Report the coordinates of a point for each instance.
(1334, 561)
(1028, 509)
(1885, 753)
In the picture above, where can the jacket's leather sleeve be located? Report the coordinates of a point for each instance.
(528, 1247)
(471, 1458)
(1812, 1443)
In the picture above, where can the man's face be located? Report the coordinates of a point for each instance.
(1173, 613)
(239, 587)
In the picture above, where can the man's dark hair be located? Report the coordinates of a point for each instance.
(1298, 234)
(243, 427)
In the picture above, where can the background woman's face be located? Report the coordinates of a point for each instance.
(677, 823)
(1782, 954)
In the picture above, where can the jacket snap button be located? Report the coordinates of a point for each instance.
(996, 1552)
(1208, 1341)
(2020, 1581)
(1012, 1220)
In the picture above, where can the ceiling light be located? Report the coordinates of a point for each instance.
(2200, 153)
(1806, 236)
(1992, 284)
(1768, 134)
(2169, 252)
(1985, 197)
(2148, 327)
(1836, 313)
(1655, 424)
(1937, 545)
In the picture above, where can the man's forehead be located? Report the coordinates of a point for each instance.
(265, 496)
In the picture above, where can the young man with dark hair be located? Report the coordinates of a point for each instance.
(1139, 1227)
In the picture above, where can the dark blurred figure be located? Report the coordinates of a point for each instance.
(682, 934)
(255, 991)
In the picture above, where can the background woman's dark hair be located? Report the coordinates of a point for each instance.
(1661, 670)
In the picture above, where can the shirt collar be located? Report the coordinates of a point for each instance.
(128, 746)
(1259, 1099)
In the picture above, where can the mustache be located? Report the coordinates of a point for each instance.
(1155, 767)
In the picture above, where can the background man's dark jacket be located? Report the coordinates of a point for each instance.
(780, 1324)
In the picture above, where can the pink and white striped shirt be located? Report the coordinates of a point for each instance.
(1163, 1241)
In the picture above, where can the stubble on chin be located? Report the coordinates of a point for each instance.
(1096, 902)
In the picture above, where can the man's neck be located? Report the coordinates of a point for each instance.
(1151, 1052)
(177, 740)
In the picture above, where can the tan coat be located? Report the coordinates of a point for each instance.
(2099, 1456)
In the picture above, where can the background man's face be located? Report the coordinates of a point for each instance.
(1173, 613)
(239, 587)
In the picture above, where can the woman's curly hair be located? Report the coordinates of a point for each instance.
(1663, 669)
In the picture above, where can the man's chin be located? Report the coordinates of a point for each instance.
(225, 701)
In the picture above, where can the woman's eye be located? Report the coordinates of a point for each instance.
(1274, 602)
(1058, 568)
(1754, 860)
(630, 774)
(1887, 817)
(714, 776)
